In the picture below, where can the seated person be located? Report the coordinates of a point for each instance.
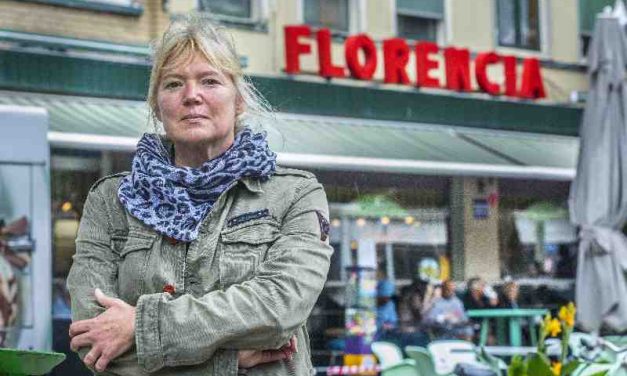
(509, 295)
(479, 295)
(387, 318)
(414, 301)
(447, 317)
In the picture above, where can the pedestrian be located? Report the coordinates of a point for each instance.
(207, 257)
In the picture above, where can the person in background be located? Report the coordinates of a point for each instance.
(479, 295)
(387, 317)
(447, 317)
(509, 295)
(415, 300)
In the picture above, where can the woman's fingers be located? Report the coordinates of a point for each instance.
(103, 361)
(79, 341)
(294, 344)
(79, 327)
(268, 356)
(91, 357)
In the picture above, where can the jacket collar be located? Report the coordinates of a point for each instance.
(252, 184)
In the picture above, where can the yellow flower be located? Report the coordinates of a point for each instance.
(567, 314)
(554, 327)
(544, 326)
(556, 368)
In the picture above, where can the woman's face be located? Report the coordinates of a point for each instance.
(197, 105)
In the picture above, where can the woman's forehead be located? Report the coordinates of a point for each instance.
(185, 61)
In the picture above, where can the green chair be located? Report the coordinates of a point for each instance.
(424, 361)
(26, 363)
(391, 360)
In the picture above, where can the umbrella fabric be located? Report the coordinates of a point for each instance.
(598, 196)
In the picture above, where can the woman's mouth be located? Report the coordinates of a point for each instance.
(193, 117)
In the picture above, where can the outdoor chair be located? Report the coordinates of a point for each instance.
(424, 361)
(391, 360)
(446, 354)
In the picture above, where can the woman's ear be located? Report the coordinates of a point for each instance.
(156, 113)
(240, 106)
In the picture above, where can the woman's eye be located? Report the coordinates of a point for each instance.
(210, 81)
(172, 85)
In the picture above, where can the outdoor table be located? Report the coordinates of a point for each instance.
(21, 362)
(513, 317)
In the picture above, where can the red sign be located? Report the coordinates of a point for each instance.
(396, 53)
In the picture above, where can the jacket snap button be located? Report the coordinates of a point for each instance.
(169, 289)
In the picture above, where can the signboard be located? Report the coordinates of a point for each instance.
(480, 208)
(396, 53)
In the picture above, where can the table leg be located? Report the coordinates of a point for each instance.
(515, 331)
(485, 327)
(533, 334)
(500, 332)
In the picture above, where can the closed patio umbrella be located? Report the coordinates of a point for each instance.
(598, 195)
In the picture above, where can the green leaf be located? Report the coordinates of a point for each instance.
(570, 367)
(491, 361)
(517, 367)
(538, 365)
(601, 373)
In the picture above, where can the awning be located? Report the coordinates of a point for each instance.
(331, 143)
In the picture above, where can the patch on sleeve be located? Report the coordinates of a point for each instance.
(248, 217)
(324, 226)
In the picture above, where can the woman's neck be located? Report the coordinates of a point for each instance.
(194, 156)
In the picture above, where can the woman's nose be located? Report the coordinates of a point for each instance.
(191, 95)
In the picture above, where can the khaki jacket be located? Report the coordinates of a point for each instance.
(249, 281)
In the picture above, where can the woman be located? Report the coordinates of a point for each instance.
(207, 258)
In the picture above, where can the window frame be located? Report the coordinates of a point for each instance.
(542, 28)
(441, 23)
(134, 8)
(257, 20)
(356, 17)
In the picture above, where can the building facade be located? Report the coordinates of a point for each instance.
(466, 123)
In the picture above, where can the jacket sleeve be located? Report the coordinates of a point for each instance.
(261, 313)
(95, 265)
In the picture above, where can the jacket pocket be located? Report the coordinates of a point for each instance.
(133, 265)
(243, 247)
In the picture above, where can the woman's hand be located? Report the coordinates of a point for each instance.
(251, 358)
(109, 334)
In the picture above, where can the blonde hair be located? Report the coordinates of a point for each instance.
(199, 33)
